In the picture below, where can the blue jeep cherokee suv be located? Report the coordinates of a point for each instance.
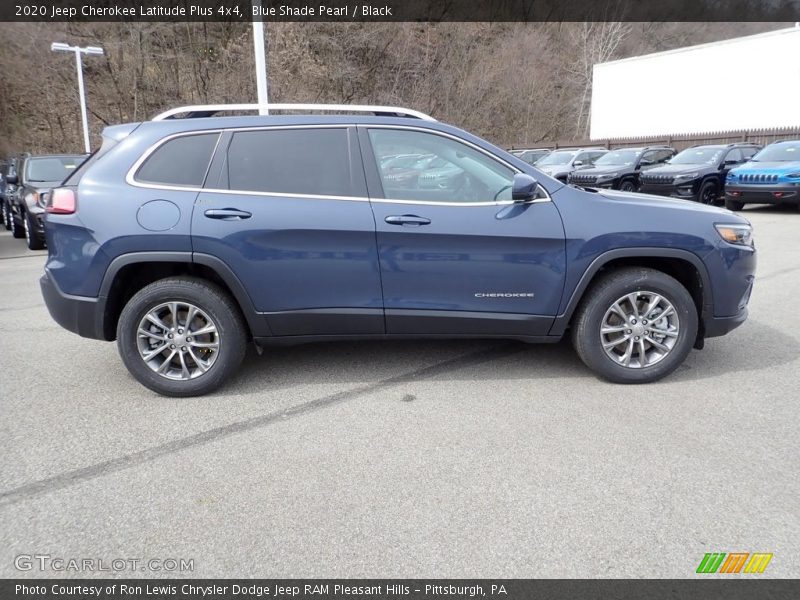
(770, 177)
(184, 238)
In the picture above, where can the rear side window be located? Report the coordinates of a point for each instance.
(313, 162)
(180, 161)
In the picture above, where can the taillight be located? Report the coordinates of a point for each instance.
(62, 202)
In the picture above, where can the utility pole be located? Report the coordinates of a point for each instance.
(261, 59)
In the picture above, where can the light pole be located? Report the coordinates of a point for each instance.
(261, 60)
(61, 47)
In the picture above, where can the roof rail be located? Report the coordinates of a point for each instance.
(208, 110)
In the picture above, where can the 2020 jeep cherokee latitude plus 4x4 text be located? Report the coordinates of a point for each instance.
(184, 238)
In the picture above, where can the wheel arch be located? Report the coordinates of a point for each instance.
(129, 273)
(683, 265)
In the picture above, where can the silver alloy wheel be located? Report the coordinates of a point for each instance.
(27, 229)
(639, 329)
(178, 340)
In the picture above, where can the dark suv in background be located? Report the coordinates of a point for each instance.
(36, 176)
(698, 173)
(620, 169)
(185, 238)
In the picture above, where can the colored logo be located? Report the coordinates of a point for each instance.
(734, 562)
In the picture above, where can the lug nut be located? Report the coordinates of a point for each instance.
(188, 339)
(169, 336)
(183, 348)
(180, 330)
(628, 331)
(172, 346)
(636, 338)
(633, 321)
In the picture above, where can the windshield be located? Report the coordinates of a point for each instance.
(618, 157)
(52, 168)
(557, 158)
(779, 152)
(697, 156)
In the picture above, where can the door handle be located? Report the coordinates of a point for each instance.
(227, 214)
(412, 220)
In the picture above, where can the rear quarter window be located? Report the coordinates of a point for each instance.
(181, 161)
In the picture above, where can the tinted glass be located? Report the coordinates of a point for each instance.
(313, 162)
(558, 157)
(748, 151)
(452, 171)
(734, 154)
(181, 161)
(51, 168)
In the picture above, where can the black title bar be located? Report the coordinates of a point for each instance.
(400, 10)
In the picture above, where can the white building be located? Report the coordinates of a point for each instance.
(744, 84)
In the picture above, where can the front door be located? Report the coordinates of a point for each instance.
(456, 255)
(287, 211)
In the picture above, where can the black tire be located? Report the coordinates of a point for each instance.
(709, 193)
(628, 185)
(6, 216)
(733, 205)
(17, 229)
(587, 339)
(33, 238)
(208, 297)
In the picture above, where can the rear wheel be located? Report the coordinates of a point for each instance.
(181, 336)
(6, 216)
(733, 205)
(635, 325)
(33, 238)
(709, 192)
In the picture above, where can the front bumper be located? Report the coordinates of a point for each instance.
(717, 326)
(763, 194)
(78, 314)
(687, 191)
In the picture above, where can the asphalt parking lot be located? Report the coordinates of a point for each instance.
(406, 459)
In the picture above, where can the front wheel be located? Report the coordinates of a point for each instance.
(708, 193)
(635, 325)
(627, 186)
(733, 205)
(181, 336)
(33, 238)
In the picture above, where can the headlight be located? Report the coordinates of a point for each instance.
(741, 235)
(687, 176)
(608, 176)
(794, 175)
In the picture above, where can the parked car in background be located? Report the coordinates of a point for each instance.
(36, 176)
(560, 163)
(770, 177)
(439, 173)
(698, 173)
(7, 189)
(185, 238)
(531, 155)
(620, 169)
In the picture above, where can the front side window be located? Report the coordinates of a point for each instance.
(734, 154)
(701, 155)
(307, 161)
(446, 170)
(618, 157)
(181, 161)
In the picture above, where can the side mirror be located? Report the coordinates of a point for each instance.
(730, 163)
(524, 188)
(577, 163)
(12, 178)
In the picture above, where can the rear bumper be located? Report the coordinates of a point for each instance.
(77, 314)
(763, 194)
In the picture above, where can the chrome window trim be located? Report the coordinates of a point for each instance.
(131, 180)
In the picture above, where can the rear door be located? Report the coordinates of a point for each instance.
(286, 209)
(459, 257)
